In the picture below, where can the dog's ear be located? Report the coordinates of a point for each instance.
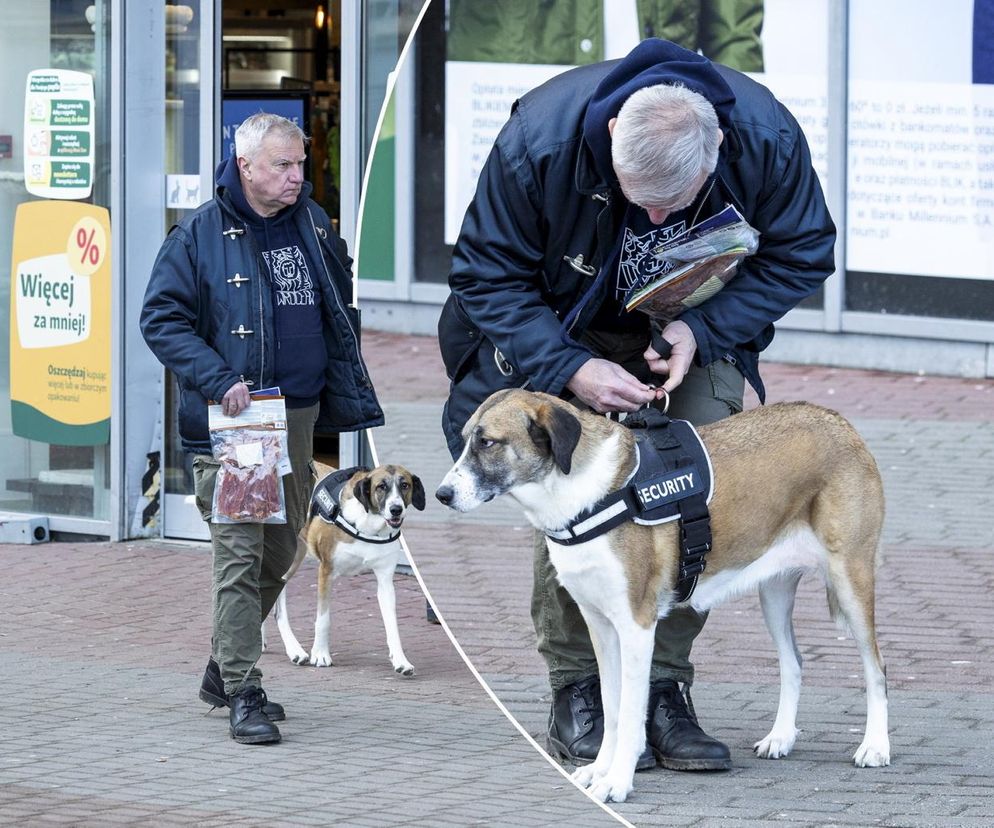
(553, 428)
(418, 494)
(363, 491)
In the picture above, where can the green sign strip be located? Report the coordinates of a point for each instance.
(30, 423)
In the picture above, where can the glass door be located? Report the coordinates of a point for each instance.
(188, 167)
(55, 161)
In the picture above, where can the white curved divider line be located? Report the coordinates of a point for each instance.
(472, 668)
(391, 83)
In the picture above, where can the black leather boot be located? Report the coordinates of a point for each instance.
(676, 738)
(576, 724)
(249, 725)
(212, 692)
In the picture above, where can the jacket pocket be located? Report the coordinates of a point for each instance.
(458, 338)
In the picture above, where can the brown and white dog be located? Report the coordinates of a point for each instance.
(795, 489)
(374, 503)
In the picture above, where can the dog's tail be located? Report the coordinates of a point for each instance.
(297, 560)
(836, 612)
(834, 605)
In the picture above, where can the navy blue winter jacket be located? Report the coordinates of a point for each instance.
(208, 316)
(546, 216)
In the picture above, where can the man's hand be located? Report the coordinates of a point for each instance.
(606, 386)
(235, 400)
(679, 335)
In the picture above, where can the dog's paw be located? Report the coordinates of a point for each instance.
(583, 775)
(321, 659)
(296, 654)
(402, 667)
(611, 789)
(870, 755)
(775, 745)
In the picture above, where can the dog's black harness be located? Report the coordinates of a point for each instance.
(672, 480)
(326, 504)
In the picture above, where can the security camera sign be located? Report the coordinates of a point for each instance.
(58, 134)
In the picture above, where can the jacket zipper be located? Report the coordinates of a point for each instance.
(259, 279)
(338, 301)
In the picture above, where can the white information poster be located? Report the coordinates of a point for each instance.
(921, 143)
(58, 134)
(479, 96)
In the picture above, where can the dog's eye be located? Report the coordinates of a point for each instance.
(381, 487)
(486, 442)
(404, 485)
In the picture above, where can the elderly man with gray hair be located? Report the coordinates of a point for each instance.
(595, 170)
(251, 292)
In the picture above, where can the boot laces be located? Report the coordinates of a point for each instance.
(673, 702)
(590, 693)
(254, 698)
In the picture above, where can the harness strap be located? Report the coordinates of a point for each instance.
(349, 529)
(607, 513)
(695, 519)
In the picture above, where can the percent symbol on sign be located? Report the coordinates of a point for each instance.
(86, 244)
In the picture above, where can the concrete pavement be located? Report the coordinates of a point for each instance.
(102, 647)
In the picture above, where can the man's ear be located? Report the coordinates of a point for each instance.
(610, 126)
(557, 431)
(244, 165)
(721, 137)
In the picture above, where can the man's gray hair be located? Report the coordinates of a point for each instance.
(251, 132)
(665, 138)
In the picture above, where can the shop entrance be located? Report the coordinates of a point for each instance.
(283, 58)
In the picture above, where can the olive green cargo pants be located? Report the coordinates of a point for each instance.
(250, 559)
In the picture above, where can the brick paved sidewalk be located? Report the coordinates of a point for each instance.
(934, 441)
(102, 648)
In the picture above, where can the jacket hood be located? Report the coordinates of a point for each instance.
(229, 190)
(652, 62)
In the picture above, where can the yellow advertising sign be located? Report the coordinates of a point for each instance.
(60, 323)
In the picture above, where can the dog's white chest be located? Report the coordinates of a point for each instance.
(353, 558)
(592, 574)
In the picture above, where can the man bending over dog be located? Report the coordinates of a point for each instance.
(594, 170)
(250, 292)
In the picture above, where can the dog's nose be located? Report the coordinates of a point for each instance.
(445, 494)
(396, 510)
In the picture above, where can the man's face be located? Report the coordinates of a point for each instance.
(273, 178)
(658, 213)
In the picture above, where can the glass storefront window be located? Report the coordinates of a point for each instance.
(921, 161)
(183, 192)
(36, 476)
(473, 63)
(387, 25)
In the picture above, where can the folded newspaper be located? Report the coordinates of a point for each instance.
(695, 265)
